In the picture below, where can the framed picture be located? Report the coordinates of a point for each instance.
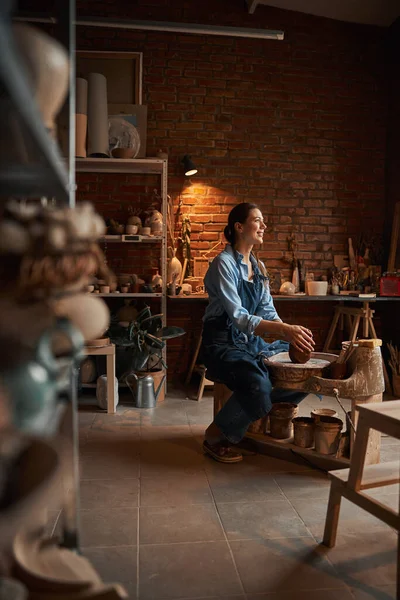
(394, 253)
(123, 71)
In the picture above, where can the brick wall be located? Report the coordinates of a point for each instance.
(297, 126)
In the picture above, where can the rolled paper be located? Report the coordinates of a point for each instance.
(97, 116)
(80, 135)
(81, 96)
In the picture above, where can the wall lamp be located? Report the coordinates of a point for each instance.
(189, 166)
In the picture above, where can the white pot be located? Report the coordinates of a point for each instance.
(317, 288)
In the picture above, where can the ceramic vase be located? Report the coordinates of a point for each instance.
(81, 117)
(97, 116)
(174, 269)
(47, 67)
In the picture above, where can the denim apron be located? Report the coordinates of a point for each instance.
(237, 360)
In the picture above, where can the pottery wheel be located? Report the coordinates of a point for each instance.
(282, 369)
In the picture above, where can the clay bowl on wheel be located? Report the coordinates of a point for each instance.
(298, 356)
(283, 370)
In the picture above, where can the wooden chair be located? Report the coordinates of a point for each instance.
(352, 482)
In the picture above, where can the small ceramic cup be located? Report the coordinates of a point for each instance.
(145, 231)
(90, 288)
(186, 289)
(131, 229)
(105, 289)
(124, 289)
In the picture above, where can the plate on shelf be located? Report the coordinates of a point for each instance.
(122, 134)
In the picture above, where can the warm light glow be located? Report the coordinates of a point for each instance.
(191, 172)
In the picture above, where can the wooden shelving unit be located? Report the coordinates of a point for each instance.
(140, 166)
(130, 238)
(129, 295)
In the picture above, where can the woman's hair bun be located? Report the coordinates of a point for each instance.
(228, 233)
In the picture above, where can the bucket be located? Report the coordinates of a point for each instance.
(280, 418)
(304, 432)
(317, 413)
(327, 434)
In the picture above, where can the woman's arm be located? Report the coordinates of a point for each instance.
(300, 337)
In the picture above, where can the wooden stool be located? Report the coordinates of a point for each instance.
(351, 482)
(353, 317)
(222, 394)
(109, 352)
(200, 369)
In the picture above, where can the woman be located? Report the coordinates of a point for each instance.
(239, 313)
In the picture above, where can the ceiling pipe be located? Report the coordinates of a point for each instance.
(244, 32)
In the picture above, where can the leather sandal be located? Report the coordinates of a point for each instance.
(222, 453)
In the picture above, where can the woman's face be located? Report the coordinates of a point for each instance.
(252, 230)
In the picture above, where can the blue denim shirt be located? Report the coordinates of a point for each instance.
(221, 282)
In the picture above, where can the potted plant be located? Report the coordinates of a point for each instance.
(146, 338)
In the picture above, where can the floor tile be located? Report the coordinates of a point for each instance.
(366, 592)
(116, 426)
(167, 524)
(175, 490)
(99, 466)
(266, 520)
(110, 445)
(109, 527)
(244, 488)
(256, 464)
(164, 433)
(165, 415)
(368, 558)
(352, 519)
(103, 493)
(115, 565)
(280, 565)
(390, 453)
(176, 455)
(310, 485)
(340, 594)
(187, 570)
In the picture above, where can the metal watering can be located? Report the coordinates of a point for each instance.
(142, 388)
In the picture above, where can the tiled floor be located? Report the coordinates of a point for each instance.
(169, 523)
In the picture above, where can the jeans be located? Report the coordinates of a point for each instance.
(253, 395)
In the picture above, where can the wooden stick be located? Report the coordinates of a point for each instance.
(185, 262)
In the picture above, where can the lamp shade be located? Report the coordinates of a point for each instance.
(189, 166)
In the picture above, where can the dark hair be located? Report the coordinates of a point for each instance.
(238, 214)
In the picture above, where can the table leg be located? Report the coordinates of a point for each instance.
(332, 515)
(373, 452)
(111, 383)
(358, 458)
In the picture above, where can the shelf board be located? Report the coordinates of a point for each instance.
(120, 295)
(129, 238)
(120, 165)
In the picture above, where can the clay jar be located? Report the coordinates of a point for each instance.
(338, 370)
(47, 68)
(280, 419)
(298, 356)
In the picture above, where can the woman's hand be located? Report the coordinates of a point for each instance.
(300, 337)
